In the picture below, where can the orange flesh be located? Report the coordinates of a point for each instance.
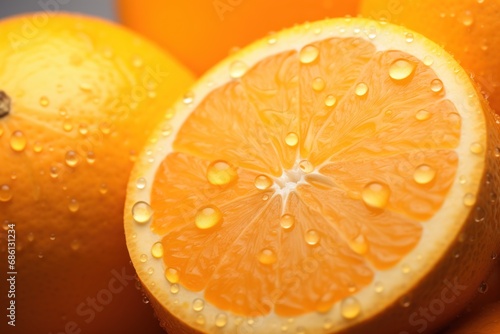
(359, 140)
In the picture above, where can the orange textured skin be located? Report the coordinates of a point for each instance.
(84, 93)
(200, 33)
(467, 29)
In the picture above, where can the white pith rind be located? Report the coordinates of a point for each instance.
(438, 234)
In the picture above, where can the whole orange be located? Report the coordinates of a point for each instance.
(78, 97)
(201, 33)
(467, 29)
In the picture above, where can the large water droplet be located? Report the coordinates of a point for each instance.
(18, 141)
(401, 69)
(376, 195)
(476, 148)
(422, 115)
(172, 275)
(308, 54)
(157, 250)
(221, 173)
(436, 85)
(198, 304)
(220, 320)
(142, 212)
(318, 84)
(208, 217)
(361, 89)
(306, 166)
(263, 182)
(71, 158)
(469, 199)
(140, 183)
(330, 101)
(312, 237)
(424, 174)
(237, 69)
(267, 256)
(292, 139)
(5, 193)
(287, 221)
(350, 308)
(73, 205)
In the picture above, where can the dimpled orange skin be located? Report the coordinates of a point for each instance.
(200, 33)
(84, 93)
(468, 29)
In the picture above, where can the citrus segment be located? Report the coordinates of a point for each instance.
(326, 178)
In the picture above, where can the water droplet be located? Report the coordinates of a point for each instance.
(271, 40)
(75, 245)
(188, 98)
(145, 299)
(208, 217)
(462, 179)
(497, 152)
(172, 275)
(157, 250)
(143, 258)
(466, 18)
(312, 237)
(306, 166)
(405, 301)
(401, 69)
(361, 89)
(198, 304)
(71, 158)
(350, 308)
(83, 129)
(174, 288)
(476, 148)
(428, 61)
(90, 157)
(237, 69)
(376, 195)
(422, 115)
(494, 256)
(267, 256)
(330, 101)
(265, 197)
(141, 183)
(221, 173)
(44, 101)
(105, 128)
(200, 319)
(436, 85)
(166, 130)
(52, 237)
(220, 320)
(379, 287)
(469, 199)
(292, 139)
(287, 221)
(142, 212)
(73, 205)
(424, 174)
(359, 245)
(5, 193)
(405, 269)
(263, 182)
(85, 87)
(37, 147)
(18, 141)
(103, 188)
(409, 37)
(483, 288)
(480, 214)
(308, 54)
(31, 237)
(318, 84)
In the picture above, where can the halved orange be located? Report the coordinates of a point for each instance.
(337, 176)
